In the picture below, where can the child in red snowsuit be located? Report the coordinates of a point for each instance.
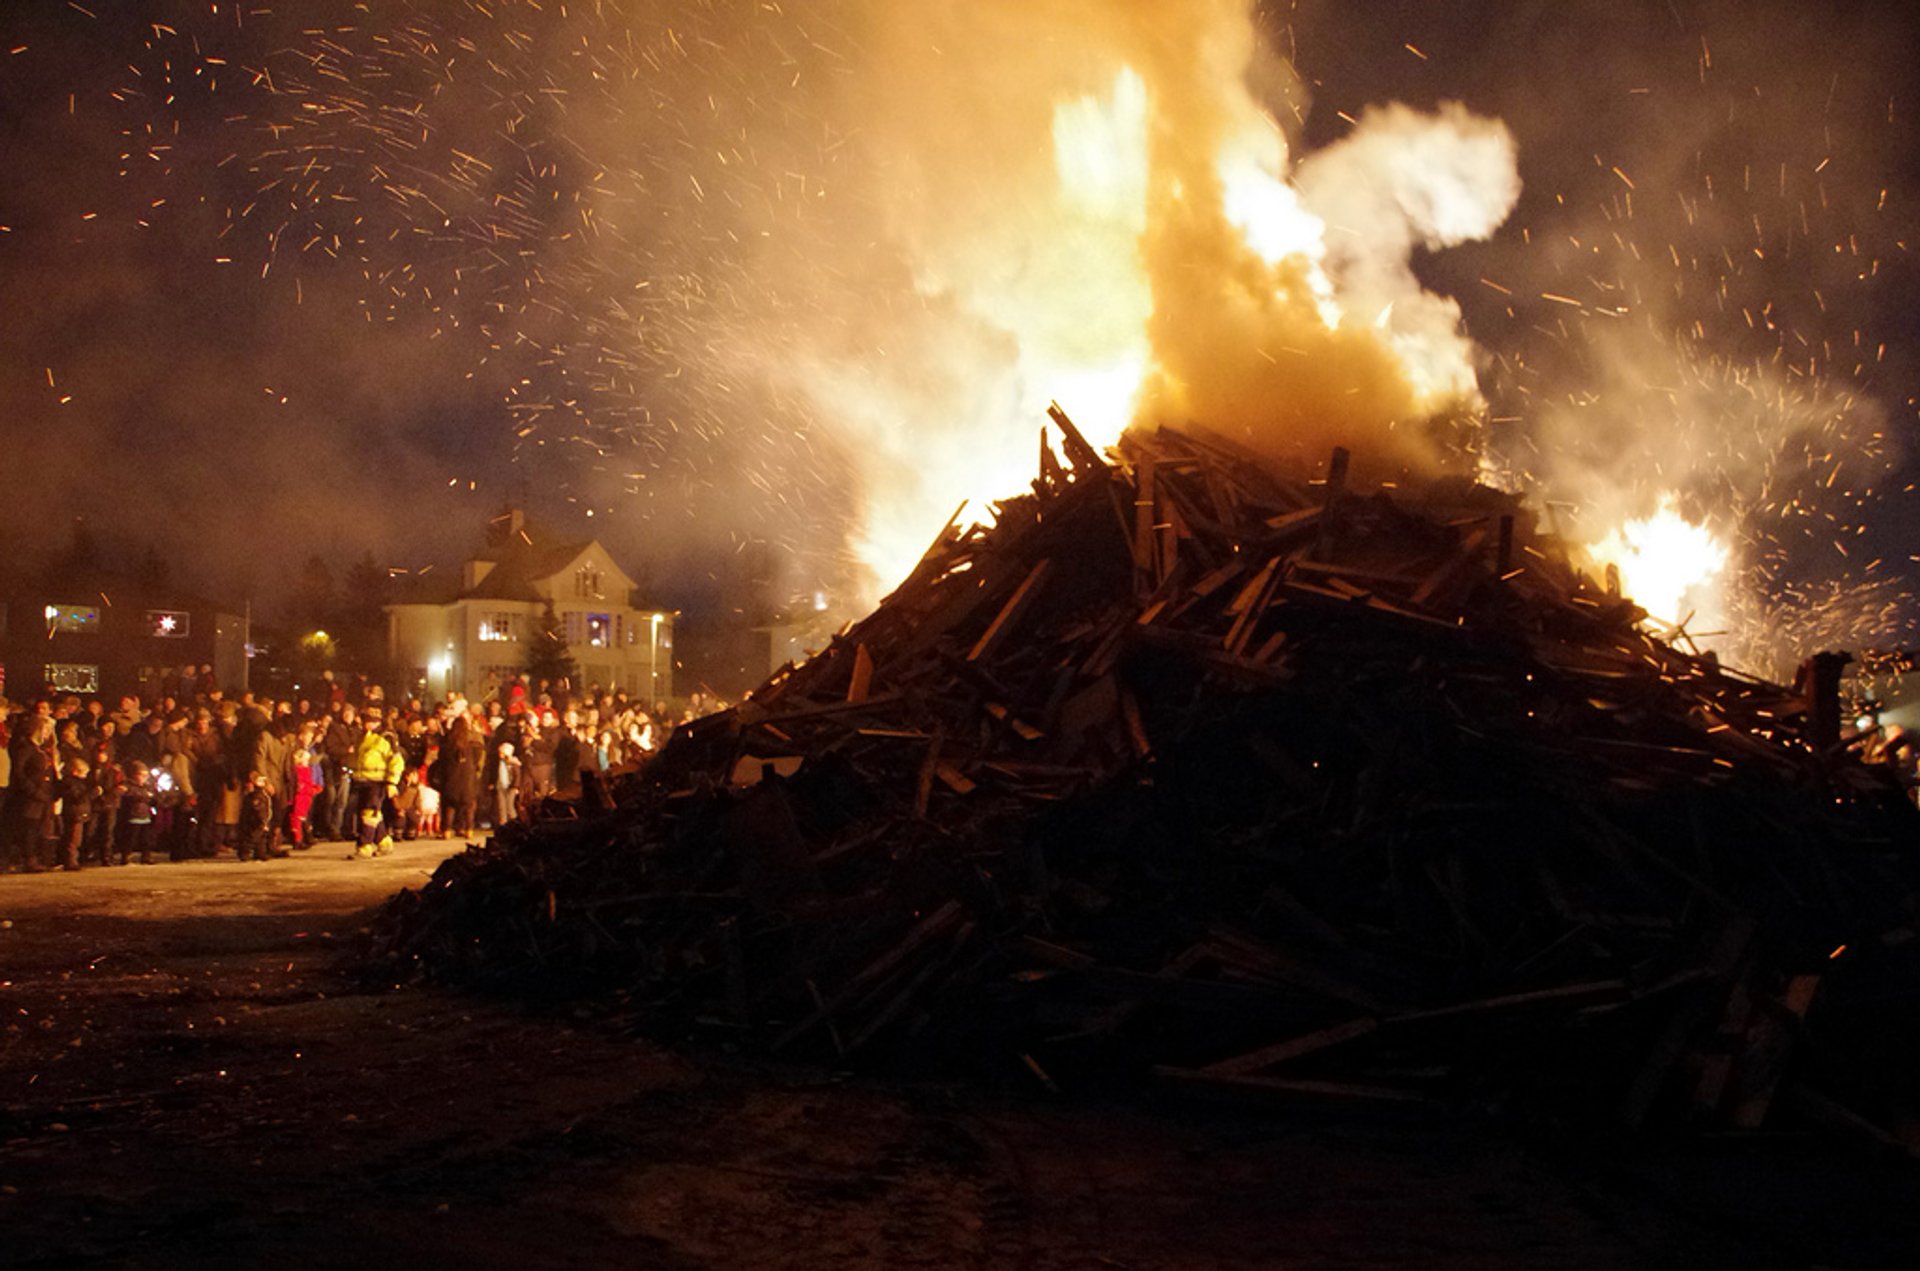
(306, 785)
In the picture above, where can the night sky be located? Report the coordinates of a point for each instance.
(326, 277)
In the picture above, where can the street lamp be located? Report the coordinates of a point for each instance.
(653, 661)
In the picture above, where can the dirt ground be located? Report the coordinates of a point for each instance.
(189, 1078)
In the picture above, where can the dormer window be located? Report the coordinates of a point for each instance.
(588, 583)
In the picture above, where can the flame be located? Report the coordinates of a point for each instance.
(1670, 566)
(1095, 208)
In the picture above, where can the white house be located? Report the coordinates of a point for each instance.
(472, 632)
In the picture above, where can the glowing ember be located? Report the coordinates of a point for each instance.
(1671, 567)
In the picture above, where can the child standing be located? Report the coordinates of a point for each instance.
(137, 815)
(77, 793)
(256, 820)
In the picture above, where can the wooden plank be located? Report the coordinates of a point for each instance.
(1761, 1064)
(1591, 991)
(1144, 555)
(1280, 1052)
(929, 928)
(1300, 518)
(1011, 610)
(861, 682)
(1444, 574)
(1136, 727)
(1277, 1086)
(952, 778)
(923, 786)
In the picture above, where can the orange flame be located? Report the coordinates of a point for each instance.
(1098, 210)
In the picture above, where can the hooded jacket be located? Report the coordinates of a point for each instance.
(378, 759)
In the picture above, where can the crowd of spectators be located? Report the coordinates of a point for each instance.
(200, 775)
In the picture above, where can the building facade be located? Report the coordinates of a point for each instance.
(474, 632)
(92, 639)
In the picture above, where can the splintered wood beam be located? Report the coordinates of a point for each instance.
(1080, 453)
(861, 682)
(923, 785)
(1297, 519)
(1143, 512)
(929, 928)
(1280, 1052)
(1136, 727)
(1337, 470)
(1280, 1089)
(1010, 612)
(1451, 568)
(1050, 469)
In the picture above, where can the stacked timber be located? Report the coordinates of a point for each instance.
(1190, 768)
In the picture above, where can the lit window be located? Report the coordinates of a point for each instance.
(167, 624)
(79, 619)
(497, 628)
(599, 630)
(72, 677)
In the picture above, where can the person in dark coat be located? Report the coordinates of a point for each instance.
(138, 811)
(30, 797)
(338, 746)
(462, 756)
(540, 760)
(566, 762)
(256, 820)
(77, 797)
(111, 783)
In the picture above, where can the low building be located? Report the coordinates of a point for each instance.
(108, 636)
(473, 630)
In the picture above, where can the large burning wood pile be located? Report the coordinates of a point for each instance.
(1255, 783)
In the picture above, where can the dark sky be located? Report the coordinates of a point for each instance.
(334, 277)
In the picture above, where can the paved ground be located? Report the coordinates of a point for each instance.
(189, 1079)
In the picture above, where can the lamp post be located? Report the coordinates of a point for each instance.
(653, 661)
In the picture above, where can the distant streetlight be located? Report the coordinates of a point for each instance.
(653, 660)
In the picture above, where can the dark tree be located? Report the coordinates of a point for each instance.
(82, 559)
(313, 596)
(548, 657)
(153, 571)
(363, 615)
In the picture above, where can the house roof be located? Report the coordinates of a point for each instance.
(521, 556)
(428, 587)
(520, 565)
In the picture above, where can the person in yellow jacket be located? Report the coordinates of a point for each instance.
(377, 765)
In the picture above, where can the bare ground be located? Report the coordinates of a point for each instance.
(188, 1078)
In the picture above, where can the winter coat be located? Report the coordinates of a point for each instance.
(462, 755)
(270, 754)
(341, 742)
(32, 788)
(137, 804)
(378, 760)
(566, 762)
(76, 795)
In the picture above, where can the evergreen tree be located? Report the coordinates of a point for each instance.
(548, 657)
(313, 597)
(363, 615)
(154, 571)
